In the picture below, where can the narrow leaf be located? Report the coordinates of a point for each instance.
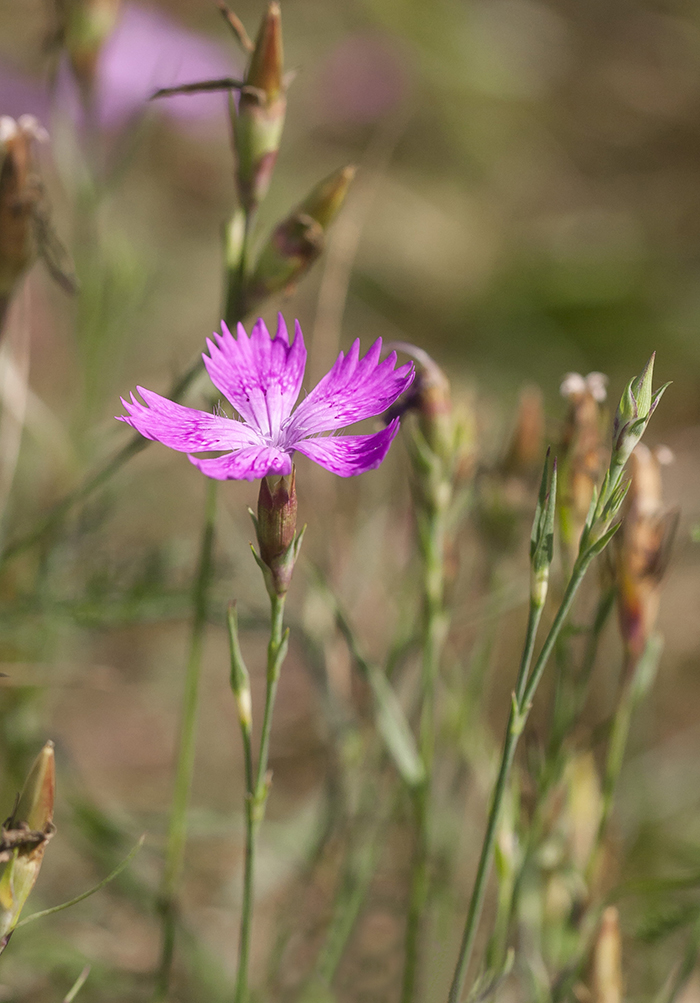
(85, 895)
(222, 84)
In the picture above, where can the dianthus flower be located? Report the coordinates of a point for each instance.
(262, 377)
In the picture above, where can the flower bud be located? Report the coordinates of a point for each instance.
(642, 547)
(299, 239)
(277, 516)
(582, 454)
(20, 192)
(276, 531)
(636, 407)
(542, 537)
(606, 969)
(259, 118)
(23, 840)
(87, 24)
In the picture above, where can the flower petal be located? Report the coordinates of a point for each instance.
(245, 464)
(354, 389)
(347, 455)
(185, 428)
(261, 376)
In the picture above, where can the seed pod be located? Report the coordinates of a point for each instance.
(299, 239)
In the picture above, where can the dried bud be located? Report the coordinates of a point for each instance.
(642, 547)
(86, 26)
(582, 454)
(276, 531)
(606, 969)
(299, 239)
(524, 454)
(259, 118)
(23, 840)
(20, 192)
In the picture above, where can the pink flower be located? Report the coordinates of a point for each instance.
(261, 377)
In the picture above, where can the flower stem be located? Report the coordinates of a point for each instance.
(525, 688)
(237, 285)
(567, 711)
(257, 795)
(434, 633)
(177, 831)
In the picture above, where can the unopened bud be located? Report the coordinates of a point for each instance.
(277, 516)
(258, 120)
(636, 407)
(606, 974)
(299, 239)
(23, 840)
(20, 193)
(542, 536)
(276, 530)
(87, 26)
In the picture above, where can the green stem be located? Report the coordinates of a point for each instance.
(566, 714)
(434, 633)
(522, 700)
(177, 831)
(257, 796)
(237, 285)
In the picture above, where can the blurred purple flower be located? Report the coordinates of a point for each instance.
(261, 377)
(22, 95)
(146, 51)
